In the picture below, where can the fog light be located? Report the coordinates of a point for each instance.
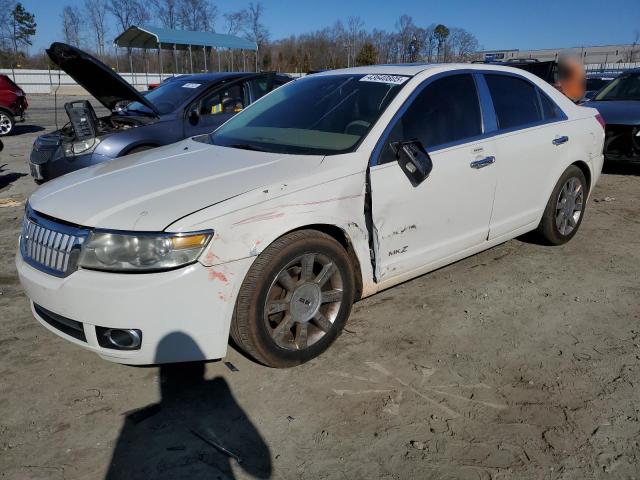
(119, 338)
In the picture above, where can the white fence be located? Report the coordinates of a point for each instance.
(47, 81)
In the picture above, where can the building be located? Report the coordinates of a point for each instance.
(600, 54)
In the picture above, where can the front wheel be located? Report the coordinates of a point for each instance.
(563, 215)
(7, 122)
(295, 299)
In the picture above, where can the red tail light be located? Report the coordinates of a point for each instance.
(601, 121)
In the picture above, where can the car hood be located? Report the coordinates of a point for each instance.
(148, 191)
(618, 112)
(99, 80)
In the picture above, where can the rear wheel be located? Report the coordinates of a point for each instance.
(565, 208)
(295, 299)
(7, 122)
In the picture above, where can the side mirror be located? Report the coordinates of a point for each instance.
(194, 116)
(414, 160)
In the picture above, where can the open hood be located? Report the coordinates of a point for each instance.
(99, 80)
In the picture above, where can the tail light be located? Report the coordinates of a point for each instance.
(601, 121)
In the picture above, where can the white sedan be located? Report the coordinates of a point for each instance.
(326, 191)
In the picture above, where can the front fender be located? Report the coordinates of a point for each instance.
(246, 232)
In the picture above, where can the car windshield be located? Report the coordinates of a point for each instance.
(626, 87)
(319, 114)
(168, 96)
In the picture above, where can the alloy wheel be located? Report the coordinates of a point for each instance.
(569, 206)
(303, 301)
(5, 124)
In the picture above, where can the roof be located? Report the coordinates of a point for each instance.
(154, 37)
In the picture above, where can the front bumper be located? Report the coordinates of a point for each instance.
(184, 314)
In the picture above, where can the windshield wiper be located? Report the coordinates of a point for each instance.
(246, 146)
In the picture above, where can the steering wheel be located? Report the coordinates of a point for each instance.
(357, 127)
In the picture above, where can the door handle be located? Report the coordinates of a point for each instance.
(560, 140)
(485, 162)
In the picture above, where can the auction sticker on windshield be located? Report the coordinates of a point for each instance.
(382, 78)
(191, 85)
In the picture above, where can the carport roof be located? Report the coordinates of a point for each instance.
(154, 37)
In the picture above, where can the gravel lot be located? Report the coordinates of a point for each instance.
(519, 362)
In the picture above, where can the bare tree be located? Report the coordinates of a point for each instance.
(461, 45)
(168, 11)
(96, 12)
(236, 21)
(197, 15)
(257, 31)
(127, 13)
(406, 31)
(71, 25)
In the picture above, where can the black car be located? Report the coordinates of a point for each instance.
(619, 104)
(187, 105)
(595, 83)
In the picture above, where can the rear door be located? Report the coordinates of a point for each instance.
(532, 139)
(449, 212)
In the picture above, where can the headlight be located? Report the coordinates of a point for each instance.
(123, 252)
(82, 146)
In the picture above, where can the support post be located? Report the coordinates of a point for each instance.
(175, 60)
(117, 64)
(244, 61)
(160, 59)
(219, 63)
(132, 76)
(231, 51)
(204, 55)
(145, 60)
(190, 59)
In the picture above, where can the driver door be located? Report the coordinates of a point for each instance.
(215, 108)
(449, 212)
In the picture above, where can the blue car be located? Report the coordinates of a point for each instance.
(619, 104)
(185, 106)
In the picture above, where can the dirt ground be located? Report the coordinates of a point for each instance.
(520, 362)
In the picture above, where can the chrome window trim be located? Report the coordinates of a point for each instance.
(487, 112)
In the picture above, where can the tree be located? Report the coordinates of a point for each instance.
(197, 15)
(368, 55)
(127, 13)
(441, 33)
(23, 28)
(168, 11)
(258, 33)
(96, 12)
(236, 21)
(71, 25)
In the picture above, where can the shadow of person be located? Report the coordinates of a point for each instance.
(196, 431)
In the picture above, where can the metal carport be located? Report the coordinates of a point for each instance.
(147, 37)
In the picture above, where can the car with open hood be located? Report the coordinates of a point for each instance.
(619, 104)
(185, 106)
(325, 191)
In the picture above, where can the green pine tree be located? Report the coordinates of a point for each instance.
(368, 55)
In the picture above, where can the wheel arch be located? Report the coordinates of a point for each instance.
(130, 148)
(586, 170)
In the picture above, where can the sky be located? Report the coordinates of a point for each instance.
(499, 24)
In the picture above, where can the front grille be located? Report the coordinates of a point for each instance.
(65, 325)
(50, 246)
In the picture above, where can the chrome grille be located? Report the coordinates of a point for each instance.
(50, 246)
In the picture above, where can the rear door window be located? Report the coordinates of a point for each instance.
(515, 101)
(445, 111)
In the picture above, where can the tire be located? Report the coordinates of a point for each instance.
(295, 299)
(565, 209)
(7, 123)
